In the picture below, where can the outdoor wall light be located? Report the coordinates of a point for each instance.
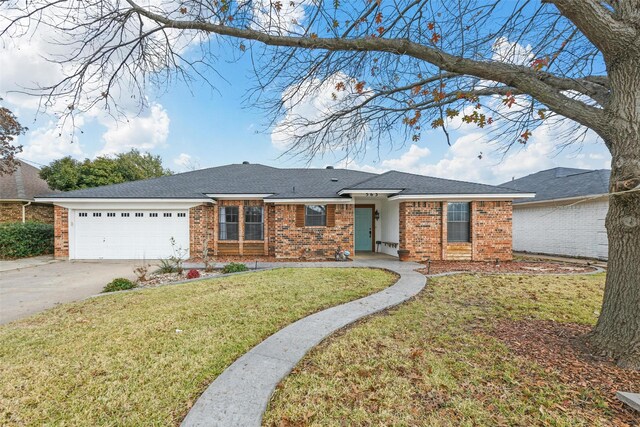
(377, 215)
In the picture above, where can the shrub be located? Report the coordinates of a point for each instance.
(20, 240)
(119, 284)
(234, 267)
(193, 274)
(167, 266)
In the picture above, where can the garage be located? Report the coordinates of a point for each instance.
(128, 234)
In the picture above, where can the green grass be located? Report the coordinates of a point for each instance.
(429, 362)
(120, 359)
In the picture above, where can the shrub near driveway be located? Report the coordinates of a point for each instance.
(20, 240)
(444, 359)
(144, 357)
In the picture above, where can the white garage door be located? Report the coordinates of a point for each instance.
(129, 234)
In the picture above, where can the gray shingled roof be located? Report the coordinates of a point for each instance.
(412, 184)
(281, 183)
(231, 179)
(561, 183)
(23, 184)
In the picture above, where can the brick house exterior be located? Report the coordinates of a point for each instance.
(416, 221)
(17, 192)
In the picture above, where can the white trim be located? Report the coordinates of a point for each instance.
(565, 199)
(124, 204)
(406, 197)
(238, 196)
(371, 190)
(335, 200)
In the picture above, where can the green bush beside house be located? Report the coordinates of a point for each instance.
(21, 240)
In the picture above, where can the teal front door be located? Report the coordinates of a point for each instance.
(364, 222)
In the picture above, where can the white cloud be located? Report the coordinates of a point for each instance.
(309, 104)
(51, 142)
(512, 52)
(183, 160)
(143, 132)
(287, 18)
(461, 161)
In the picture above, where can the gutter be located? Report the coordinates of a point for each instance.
(24, 212)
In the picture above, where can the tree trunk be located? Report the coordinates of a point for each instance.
(617, 333)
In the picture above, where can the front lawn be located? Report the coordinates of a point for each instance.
(469, 350)
(144, 357)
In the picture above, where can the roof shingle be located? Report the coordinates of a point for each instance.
(279, 183)
(561, 183)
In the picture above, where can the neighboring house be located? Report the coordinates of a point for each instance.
(250, 211)
(16, 196)
(566, 217)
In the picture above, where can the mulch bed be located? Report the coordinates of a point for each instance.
(523, 267)
(561, 349)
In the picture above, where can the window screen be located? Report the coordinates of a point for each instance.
(458, 222)
(315, 216)
(253, 221)
(229, 223)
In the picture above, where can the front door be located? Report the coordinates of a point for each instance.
(363, 226)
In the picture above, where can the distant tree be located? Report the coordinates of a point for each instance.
(62, 174)
(69, 174)
(10, 128)
(133, 166)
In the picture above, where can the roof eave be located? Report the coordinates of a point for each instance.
(480, 196)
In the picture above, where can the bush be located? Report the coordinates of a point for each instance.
(234, 267)
(193, 274)
(119, 284)
(167, 266)
(20, 240)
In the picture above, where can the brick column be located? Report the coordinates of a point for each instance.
(444, 241)
(61, 232)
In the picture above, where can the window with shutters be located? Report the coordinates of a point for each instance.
(458, 229)
(253, 223)
(229, 223)
(315, 216)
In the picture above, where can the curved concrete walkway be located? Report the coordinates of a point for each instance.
(239, 396)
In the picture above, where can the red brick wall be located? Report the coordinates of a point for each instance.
(201, 230)
(12, 212)
(61, 232)
(423, 228)
(289, 241)
(491, 231)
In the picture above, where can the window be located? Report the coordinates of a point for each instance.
(82, 214)
(458, 222)
(167, 214)
(139, 214)
(315, 216)
(181, 214)
(153, 215)
(253, 221)
(97, 214)
(229, 223)
(111, 214)
(125, 214)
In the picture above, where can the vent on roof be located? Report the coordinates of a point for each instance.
(334, 179)
(245, 163)
(329, 167)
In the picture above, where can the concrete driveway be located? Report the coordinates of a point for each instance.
(31, 287)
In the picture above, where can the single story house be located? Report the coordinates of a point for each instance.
(17, 191)
(251, 210)
(567, 214)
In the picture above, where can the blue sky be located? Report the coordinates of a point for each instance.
(200, 128)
